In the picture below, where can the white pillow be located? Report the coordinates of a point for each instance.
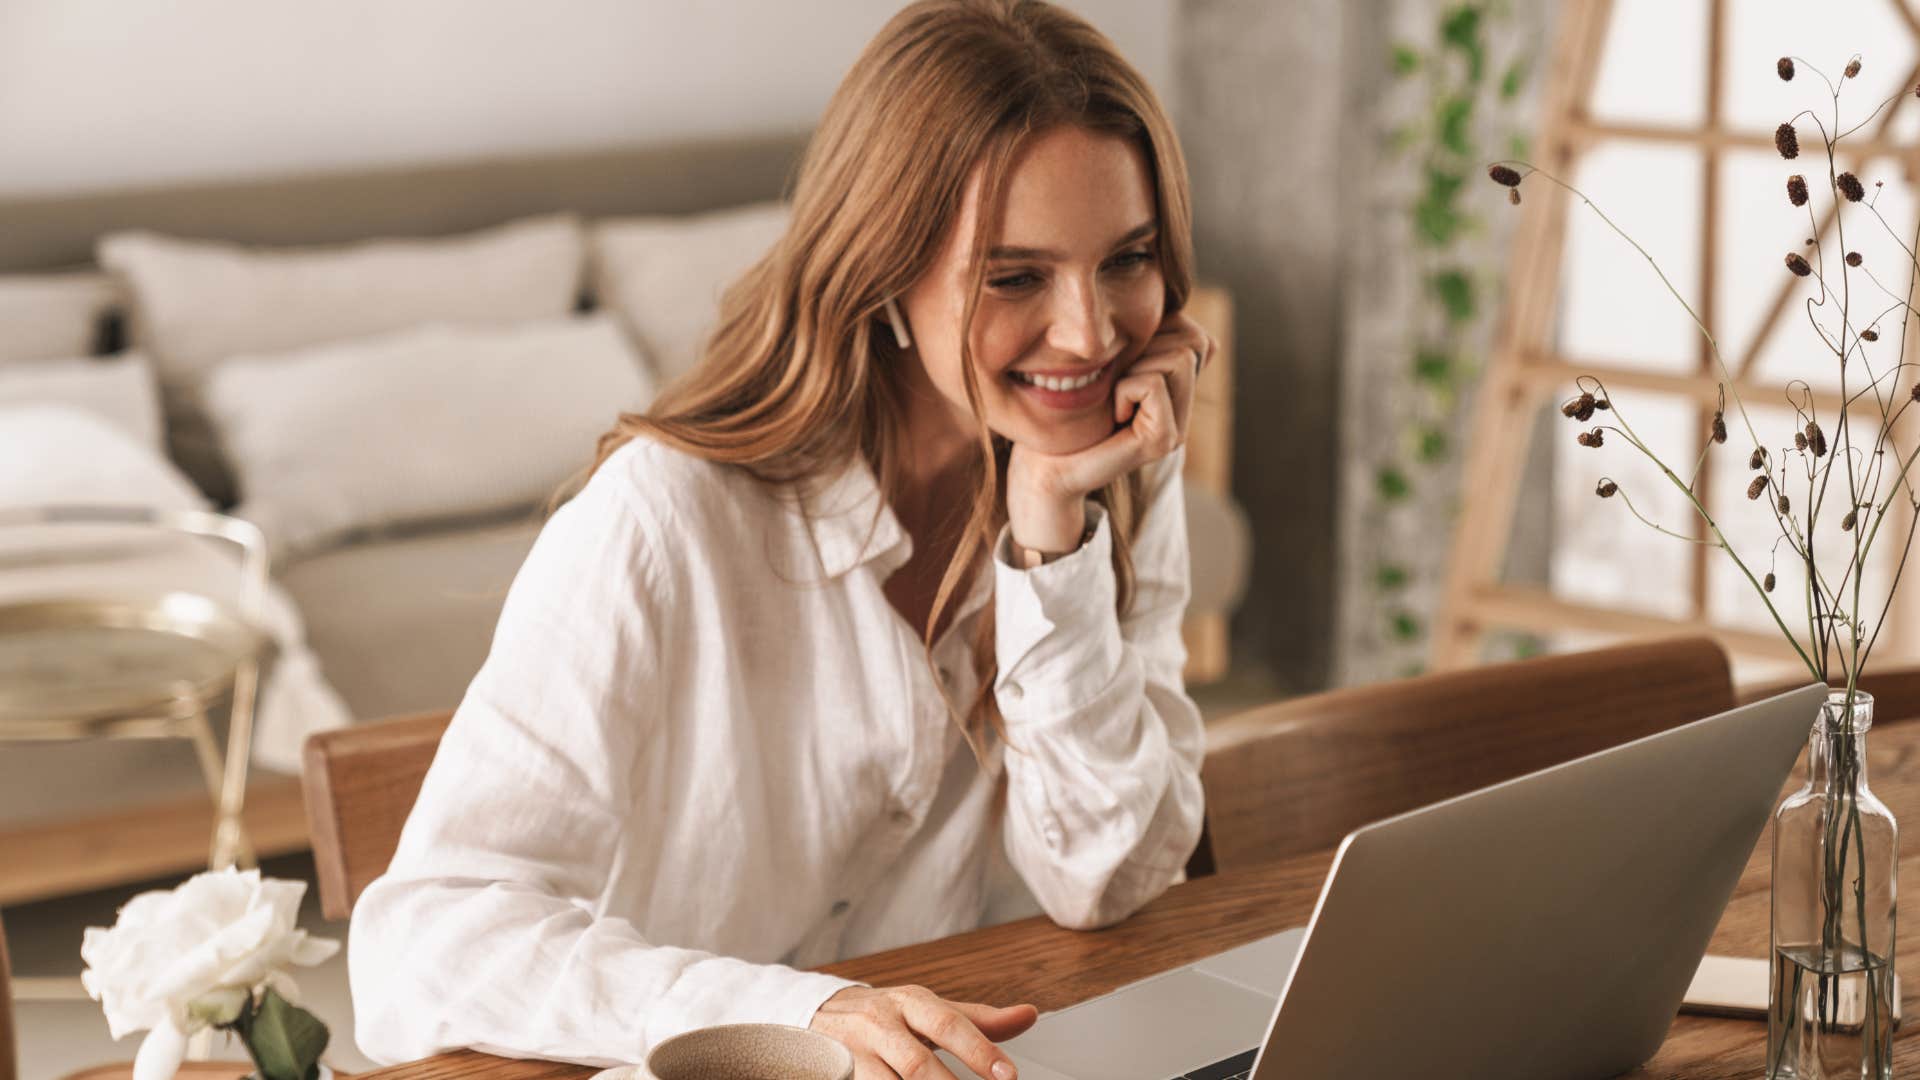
(664, 275)
(68, 455)
(431, 423)
(118, 389)
(195, 303)
(53, 316)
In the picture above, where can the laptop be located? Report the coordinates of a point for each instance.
(1544, 928)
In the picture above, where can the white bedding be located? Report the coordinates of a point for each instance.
(58, 454)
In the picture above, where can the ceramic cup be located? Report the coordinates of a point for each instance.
(749, 1052)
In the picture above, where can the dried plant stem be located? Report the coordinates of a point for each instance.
(1719, 540)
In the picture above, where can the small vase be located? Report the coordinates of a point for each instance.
(325, 1074)
(1835, 871)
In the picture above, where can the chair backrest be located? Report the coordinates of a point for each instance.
(361, 783)
(8, 1052)
(1896, 691)
(1299, 775)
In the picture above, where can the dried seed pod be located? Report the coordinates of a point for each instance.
(1853, 258)
(1786, 141)
(1767, 582)
(1850, 187)
(1592, 438)
(1719, 428)
(1579, 408)
(1816, 439)
(1797, 189)
(1853, 68)
(1798, 265)
(1785, 67)
(1606, 489)
(1503, 175)
(1583, 439)
(1916, 392)
(1799, 441)
(1846, 523)
(1513, 196)
(1758, 487)
(1758, 459)
(1869, 334)
(1602, 404)
(1784, 505)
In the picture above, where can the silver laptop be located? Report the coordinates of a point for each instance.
(1542, 928)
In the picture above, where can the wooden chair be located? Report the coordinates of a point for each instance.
(361, 782)
(1299, 775)
(1896, 691)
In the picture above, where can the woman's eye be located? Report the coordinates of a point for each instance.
(1013, 282)
(1133, 259)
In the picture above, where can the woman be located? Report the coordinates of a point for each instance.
(866, 634)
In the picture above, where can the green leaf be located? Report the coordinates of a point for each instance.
(1390, 576)
(1513, 80)
(1433, 445)
(1404, 625)
(1443, 185)
(1433, 366)
(1460, 29)
(1436, 223)
(1392, 483)
(1405, 60)
(1454, 290)
(1456, 124)
(286, 1041)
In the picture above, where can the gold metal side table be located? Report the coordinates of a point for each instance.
(144, 664)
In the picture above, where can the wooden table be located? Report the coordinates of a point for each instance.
(1035, 961)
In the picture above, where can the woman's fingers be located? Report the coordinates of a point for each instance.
(942, 1023)
(998, 1024)
(1150, 432)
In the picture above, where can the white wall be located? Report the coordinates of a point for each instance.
(109, 93)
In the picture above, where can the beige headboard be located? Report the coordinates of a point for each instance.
(49, 232)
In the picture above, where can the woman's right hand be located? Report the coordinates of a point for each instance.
(893, 1032)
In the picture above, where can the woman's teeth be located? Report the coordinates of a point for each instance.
(1058, 382)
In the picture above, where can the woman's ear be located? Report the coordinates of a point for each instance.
(899, 324)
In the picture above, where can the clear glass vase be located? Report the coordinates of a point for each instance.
(1835, 872)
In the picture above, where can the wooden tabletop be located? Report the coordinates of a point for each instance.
(1036, 961)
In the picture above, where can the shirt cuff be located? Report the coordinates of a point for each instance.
(1056, 634)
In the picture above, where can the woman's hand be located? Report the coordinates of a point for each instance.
(1152, 402)
(893, 1032)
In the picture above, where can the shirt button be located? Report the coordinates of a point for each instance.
(1012, 690)
(840, 908)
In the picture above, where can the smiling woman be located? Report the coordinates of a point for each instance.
(868, 632)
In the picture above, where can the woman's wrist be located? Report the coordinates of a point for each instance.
(1047, 528)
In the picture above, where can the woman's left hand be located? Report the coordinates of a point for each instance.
(1046, 493)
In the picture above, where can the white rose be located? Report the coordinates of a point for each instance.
(184, 959)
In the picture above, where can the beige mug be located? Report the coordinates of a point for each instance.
(749, 1052)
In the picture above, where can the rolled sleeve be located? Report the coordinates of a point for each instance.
(1104, 746)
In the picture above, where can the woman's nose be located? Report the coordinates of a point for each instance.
(1082, 323)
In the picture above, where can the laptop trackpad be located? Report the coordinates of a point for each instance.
(1148, 1031)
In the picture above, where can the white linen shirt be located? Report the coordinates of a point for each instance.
(705, 751)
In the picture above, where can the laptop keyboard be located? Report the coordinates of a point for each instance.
(1237, 1067)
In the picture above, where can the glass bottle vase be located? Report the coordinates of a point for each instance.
(1835, 872)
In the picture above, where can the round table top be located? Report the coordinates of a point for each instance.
(71, 665)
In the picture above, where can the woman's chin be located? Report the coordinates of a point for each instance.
(1063, 440)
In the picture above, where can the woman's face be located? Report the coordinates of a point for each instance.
(1072, 295)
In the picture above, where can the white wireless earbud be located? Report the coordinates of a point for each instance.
(899, 324)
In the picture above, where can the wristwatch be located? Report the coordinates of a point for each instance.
(1030, 558)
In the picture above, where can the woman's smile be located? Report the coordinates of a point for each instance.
(1065, 389)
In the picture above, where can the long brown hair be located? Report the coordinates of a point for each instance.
(801, 373)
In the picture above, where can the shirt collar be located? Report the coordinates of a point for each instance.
(852, 524)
